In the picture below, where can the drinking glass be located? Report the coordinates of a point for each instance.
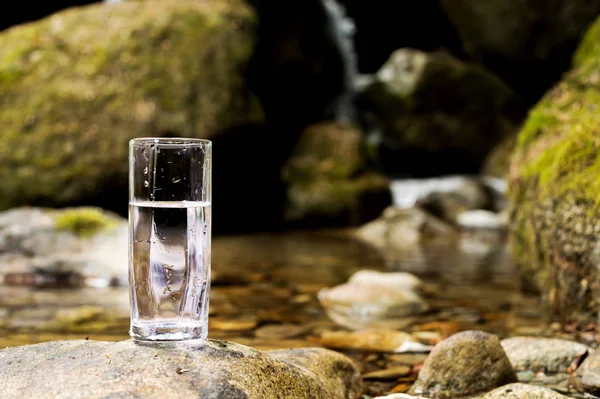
(169, 238)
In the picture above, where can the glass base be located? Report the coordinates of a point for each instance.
(168, 331)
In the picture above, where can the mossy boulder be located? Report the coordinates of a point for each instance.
(447, 112)
(329, 177)
(75, 87)
(555, 190)
(527, 43)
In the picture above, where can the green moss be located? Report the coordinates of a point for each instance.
(84, 222)
(538, 119)
(559, 146)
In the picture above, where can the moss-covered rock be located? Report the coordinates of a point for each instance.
(441, 108)
(328, 176)
(555, 190)
(76, 86)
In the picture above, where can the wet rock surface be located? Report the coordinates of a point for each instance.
(548, 355)
(215, 369)
(467, 363)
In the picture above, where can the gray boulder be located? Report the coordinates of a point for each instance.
(550, 355)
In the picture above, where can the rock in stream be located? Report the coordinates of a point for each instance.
(550, 355)
(467, 363)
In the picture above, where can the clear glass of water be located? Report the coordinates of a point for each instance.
(169, 238)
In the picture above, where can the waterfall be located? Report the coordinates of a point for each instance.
(342, 31)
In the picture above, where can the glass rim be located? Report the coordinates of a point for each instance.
(170, 141)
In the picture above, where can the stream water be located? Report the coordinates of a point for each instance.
(264, 294)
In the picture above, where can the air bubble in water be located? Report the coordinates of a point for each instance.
(146, 184)
(146, 170)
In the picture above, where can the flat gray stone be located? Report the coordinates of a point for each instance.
(187, 369)
(550, 355)
(587, 377)
(523, 391)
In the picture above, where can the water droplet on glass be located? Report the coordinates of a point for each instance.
(146, 184)
(176, 179)
(146, 170)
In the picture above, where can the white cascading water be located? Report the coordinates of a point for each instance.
(342, 30)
